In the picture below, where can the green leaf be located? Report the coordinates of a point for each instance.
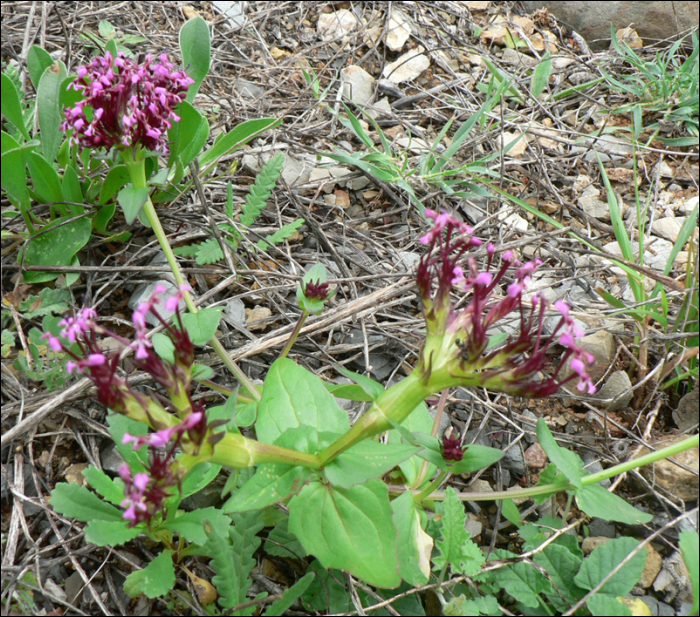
(48, 302)
(115, 179)
(131, 201)
(56, 247)
(562, 565)
(38, 60)
(476, 457)
(522, 580)
(72, 191)
(118, 426)
(455, 546)
(540, 77)
(155, 580)
(605, 558)
(596, 501)
(208, 252)
(366, 459)
(47, 106)
(690, 546)
(110, 533)
(201, 326)
(607, 606)
(233, 562)
(568, 463)
(104, 485)
(350, 529)
(370, 386)
(260, 191)
(189, 135)
(78, 502)
(47, 184)
(291, 547)
(199, 477)
(190, 525)
(414, 544)
(271, 483)
(234, 139)
(284, 232)
(195, 44)
(511, 512)
(293, 396)
(11, 107)
(290, 596)
(419, 421)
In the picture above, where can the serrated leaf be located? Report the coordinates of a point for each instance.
(78, 502)
(48, 302)
(567, 462)
(350, 529)
(293, 396)
(190, 250)
(598, 502)
(284, 232)
(270, 484)
(605, 558)
(104, 485)
(455, 546)
(155, 580)
(209, 252)
(110, 533)
(260, 191)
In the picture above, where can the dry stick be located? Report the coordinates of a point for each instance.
(354, 308)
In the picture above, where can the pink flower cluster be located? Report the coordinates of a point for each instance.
(523, 355)
(146, 492)
(131, 104)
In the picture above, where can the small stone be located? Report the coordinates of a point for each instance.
(590, 544)
(674, 480)
(668, 227)
(535, 456)
(358, 85)
(688, 411)
(616, 392)
(74, 474)
(399, 31)
(473, 526)
(335, 25)
(480, 486)
(255, 317)
(652, 567)
(406, 67)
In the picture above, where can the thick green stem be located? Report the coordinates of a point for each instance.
(137, 172)
(394, 404)
(235, 450)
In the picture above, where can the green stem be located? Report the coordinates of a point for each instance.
(295, 333)
(394, 404)
(547, 489)
(137, 171)
(427, 491)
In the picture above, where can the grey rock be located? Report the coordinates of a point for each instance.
(600, 527)
(652, 20)
(514, 460)
(111, 459)
(616, 393)
(235, 311)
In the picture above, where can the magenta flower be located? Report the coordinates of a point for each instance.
(132, 104)
(452, 449)
(459, 348)
(145, 493)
